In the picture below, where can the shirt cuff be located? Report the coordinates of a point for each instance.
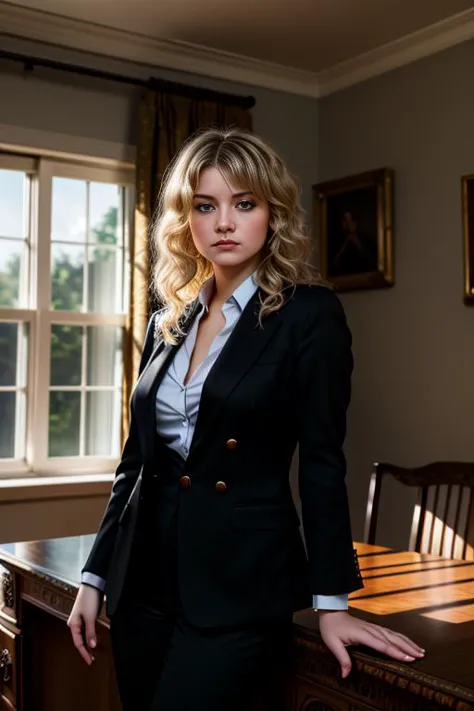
(94, 580)
(331, 602)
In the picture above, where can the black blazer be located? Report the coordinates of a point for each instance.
(241, 554)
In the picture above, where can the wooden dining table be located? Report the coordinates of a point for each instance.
(425, 597)
(428, 598)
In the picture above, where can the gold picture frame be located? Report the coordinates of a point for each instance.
(353, 219)
(467, 183)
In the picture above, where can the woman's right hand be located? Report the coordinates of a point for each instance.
(82, 621)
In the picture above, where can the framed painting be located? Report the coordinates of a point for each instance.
(468, 229)
(353, 219)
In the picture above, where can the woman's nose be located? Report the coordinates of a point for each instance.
(224, 221)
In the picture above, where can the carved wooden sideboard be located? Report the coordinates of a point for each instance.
(41, 670)
(426, 597)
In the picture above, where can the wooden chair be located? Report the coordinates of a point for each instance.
(443, 520)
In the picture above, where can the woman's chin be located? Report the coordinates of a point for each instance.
(229, 259)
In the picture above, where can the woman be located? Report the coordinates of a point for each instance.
(200, 548)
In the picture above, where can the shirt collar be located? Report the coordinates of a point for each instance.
(241, 295)
(205, 292)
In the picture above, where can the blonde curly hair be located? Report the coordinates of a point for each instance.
(251, 164)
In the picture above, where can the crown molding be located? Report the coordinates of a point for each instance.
(25, 23)
(417, 45)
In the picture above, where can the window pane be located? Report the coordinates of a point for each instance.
(104, 355)
(7, 424)
(10, 269)
(64, 424)
(13, 203)
(102, 423)
(69, 218)
(104, 204)
(67, 276)
(8, 353)
(66, 355)
(13, 349)
(105, 280)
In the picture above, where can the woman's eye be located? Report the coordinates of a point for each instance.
(204, 207)
(246, 205)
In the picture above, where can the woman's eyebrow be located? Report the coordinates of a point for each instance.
(211, 197)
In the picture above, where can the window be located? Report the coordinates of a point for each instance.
(64, 268)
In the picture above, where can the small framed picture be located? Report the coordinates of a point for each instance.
(468, 229)
(354, 227)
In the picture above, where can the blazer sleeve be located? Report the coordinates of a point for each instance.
(126, 476)
(324, 368)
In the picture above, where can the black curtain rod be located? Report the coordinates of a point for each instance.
(168, 87)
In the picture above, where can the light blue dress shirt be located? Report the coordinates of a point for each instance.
(177, 404)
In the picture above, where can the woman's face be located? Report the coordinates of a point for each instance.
(229, 225)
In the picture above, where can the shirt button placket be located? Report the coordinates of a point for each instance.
(184, 423)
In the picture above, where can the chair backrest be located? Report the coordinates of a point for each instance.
(443, 520)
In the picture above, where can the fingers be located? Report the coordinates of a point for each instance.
(75, 625)
(90, 632)
(407, 639)
(336, 646)
(399, 640)
(391, 647)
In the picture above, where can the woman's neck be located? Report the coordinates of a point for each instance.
(226, 281)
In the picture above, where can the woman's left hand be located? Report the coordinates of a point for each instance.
(339, 629)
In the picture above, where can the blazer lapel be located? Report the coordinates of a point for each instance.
(144, 393)
(241, 350)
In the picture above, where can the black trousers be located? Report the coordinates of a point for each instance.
(162, 662)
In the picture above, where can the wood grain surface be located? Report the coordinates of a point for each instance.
(424, 596)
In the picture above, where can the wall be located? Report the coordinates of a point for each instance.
(74, 114)
(414, 343)
(70, 514)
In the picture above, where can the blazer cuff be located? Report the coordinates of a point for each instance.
(94, 580)
(331, 602)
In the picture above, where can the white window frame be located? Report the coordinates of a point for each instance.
(40, 317)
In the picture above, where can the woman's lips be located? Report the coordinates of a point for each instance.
(228, 244)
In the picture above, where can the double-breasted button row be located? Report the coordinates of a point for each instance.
(185, 483)
(221, 486)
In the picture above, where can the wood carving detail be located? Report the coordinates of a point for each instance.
(6, 664)
(47, 596)
(7, 590)
(376, 686)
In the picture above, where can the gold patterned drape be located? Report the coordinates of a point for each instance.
(165, 122)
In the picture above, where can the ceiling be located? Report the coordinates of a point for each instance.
(309, 35)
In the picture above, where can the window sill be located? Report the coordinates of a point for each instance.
(35, 488)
